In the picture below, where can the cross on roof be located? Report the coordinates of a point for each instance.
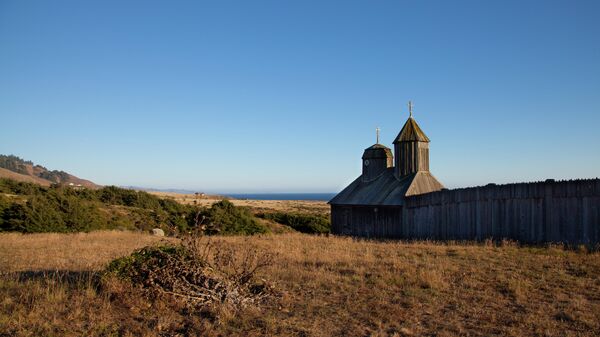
(410, 106)
(377, 131)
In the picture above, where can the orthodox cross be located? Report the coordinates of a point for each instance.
(410, 106)
(377, 131)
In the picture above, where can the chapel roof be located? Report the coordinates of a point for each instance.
(377, 151)
(411, 132)
(387, 189)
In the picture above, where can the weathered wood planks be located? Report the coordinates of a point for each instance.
(567, 211)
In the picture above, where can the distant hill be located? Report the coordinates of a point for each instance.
(19, 169)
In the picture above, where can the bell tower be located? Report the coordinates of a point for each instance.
(411, 148)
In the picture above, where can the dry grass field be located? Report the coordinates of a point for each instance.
(294, 206)
(74, 252)
(327, 286)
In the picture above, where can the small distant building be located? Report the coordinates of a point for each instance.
(75, 186)
(397, 196)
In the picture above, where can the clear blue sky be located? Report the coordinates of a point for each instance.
(283, 96)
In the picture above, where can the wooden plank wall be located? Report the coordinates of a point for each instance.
(566, 211)
(366, 221)
(411, 157)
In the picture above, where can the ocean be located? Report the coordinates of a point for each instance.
(283, 196)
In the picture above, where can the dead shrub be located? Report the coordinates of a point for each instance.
(198, 272)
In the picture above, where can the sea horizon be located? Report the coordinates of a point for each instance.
(282, 196)
(317, 196)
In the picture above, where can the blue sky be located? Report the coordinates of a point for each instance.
(283, 96)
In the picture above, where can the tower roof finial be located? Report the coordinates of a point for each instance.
(377, 131)
(411, 131)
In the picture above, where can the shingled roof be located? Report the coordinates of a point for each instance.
(387, 190)
(411, 132)
(377, 151)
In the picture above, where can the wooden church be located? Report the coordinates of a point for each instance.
(372, 204)
(396, 196)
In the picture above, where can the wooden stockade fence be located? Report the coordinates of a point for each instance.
(565, 211)
(406, 201)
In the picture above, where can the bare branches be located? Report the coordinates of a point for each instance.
(201, 271)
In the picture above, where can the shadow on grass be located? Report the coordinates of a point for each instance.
(489, 242)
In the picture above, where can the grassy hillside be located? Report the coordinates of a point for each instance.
(326, 286)
(31, 208)
(19, 169)
(8, 174)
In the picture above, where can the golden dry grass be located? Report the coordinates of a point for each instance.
(4, 173)
(296, 206)
(329, 286)
(76, 252)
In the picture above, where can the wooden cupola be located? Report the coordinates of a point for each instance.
(411, 149)
(376, 159)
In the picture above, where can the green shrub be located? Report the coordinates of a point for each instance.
(129, 267)
(80, 215)
(225, 218)
(64, 209)
(312, 224)
(16, 187)
(197, 272)
(121, 196)
(5, 203)
(39, 214)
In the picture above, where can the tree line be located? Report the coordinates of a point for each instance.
(31, 208)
